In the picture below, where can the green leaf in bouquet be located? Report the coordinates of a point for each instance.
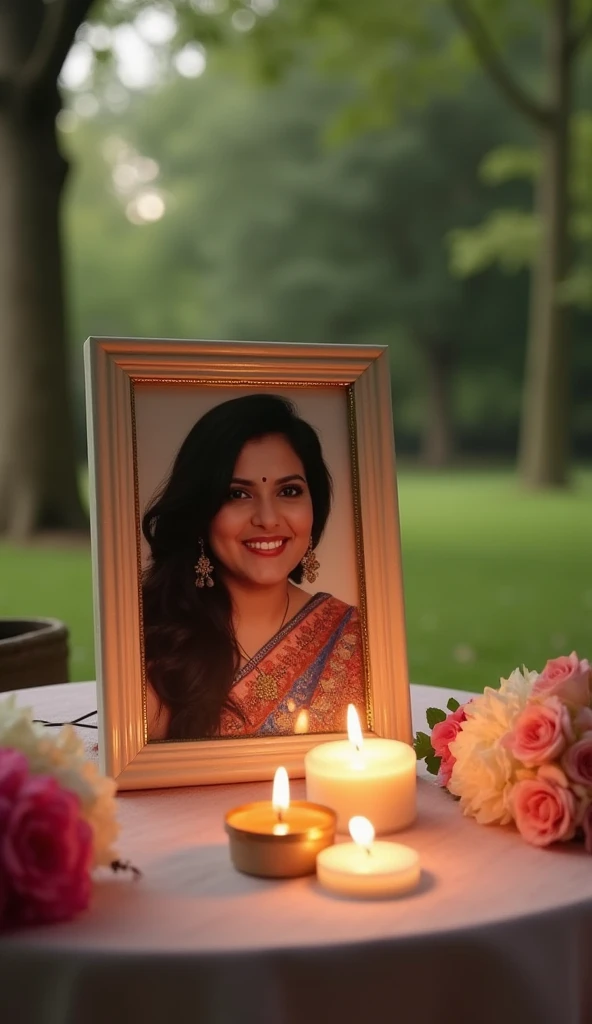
(433, 764)
(453, 704)
(422, 746)
(435, 715)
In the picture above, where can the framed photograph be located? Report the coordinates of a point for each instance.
(246, 555)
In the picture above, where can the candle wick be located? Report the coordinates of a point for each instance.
(280, 816)
(368, 850)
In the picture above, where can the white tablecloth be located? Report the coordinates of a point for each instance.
(497, 931)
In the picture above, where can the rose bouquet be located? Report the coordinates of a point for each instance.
(522, 753)
(57, 821)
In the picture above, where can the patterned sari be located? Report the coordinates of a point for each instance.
(303, 679)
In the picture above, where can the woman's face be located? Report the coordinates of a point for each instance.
(262, 531)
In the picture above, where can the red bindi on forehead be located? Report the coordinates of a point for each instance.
(264, 479)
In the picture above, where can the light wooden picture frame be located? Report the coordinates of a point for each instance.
(136, 386)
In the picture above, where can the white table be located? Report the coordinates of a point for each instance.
(497, 932)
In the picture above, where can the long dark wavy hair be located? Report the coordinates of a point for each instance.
(190, 648)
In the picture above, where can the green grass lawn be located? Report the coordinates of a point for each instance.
(493, 578)
(56, 581)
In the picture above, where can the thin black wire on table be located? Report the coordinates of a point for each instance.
(77, 721)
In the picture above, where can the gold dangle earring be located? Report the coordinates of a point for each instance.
(310, 564)
(203, 569)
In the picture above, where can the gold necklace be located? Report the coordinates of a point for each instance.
(250, 657)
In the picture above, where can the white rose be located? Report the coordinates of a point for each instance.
(484, 771)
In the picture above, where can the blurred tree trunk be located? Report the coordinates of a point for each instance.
(438, 441)
(38, 486)
(544, 450)
(545, 425)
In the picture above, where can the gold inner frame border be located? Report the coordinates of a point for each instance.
(217, 382)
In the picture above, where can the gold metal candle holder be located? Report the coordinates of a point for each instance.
(272, 844)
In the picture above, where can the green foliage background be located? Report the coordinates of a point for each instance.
(350, 176)
(273, 230)
(494, 578)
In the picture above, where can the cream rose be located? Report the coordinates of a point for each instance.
(485, 771)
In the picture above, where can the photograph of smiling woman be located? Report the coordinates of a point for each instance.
(233, 646)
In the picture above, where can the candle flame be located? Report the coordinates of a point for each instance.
(362, 831)
(354, 729)
(280, 799)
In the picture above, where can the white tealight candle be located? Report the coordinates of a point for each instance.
(360, 775)
(366, 869)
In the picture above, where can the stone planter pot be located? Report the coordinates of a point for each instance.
(33, 652)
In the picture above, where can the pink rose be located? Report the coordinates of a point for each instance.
(3, 896)
(46, 852)
(577, 761)
(544, 812)
(14, 769)
(540, 732)
(445, 771)
(565, 677)
(583, 721)
(587, 826)
(13, 772)
(443, 734)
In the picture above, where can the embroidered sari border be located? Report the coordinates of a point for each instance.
(315, 601)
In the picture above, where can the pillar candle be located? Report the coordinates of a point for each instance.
(365, 776)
